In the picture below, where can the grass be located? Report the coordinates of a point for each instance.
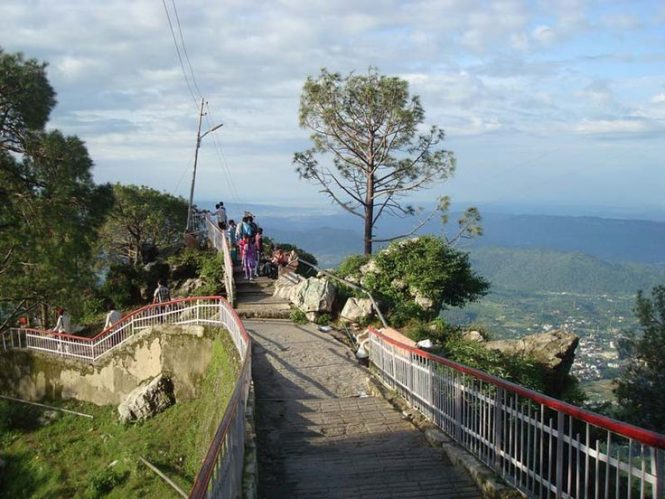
(83, 458)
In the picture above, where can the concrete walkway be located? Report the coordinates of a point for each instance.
(320, 434)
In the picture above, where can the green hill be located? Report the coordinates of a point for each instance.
(532, 270)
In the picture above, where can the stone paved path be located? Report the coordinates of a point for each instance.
(319, 434)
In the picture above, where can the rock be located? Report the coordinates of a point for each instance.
(189, 287)
(286, 285)
(356, 309)
(422, 301)
(398, 284)
(555, 350)
(314, 295)
(473, 336)
(369, 268)
(47, 417)
(147, 400)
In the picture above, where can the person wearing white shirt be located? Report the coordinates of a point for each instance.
(112, 317)
(64, 322)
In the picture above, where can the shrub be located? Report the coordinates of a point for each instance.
(323, 320)
(298, 316)
(123, 285)
(426, 267)
(212, 273)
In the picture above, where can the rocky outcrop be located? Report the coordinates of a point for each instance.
(356, 309)
(473, 336)
(314, 296)
(286, 285)
(555, 350)
(188, 287)
(147, 400)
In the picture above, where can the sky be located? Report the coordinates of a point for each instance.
(552, 102)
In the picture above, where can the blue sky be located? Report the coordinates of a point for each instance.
(544, 102)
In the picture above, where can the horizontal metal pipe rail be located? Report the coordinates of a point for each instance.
(545, 447)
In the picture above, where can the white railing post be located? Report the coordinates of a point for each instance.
(499, 399)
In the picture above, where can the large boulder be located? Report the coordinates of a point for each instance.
(286, 285)
(314, 296)
(356, 309)
(555, 349)
(147, 400)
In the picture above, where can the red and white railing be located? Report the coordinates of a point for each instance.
(543, 446)
(221, 472)
(220, 241)
(198, 310)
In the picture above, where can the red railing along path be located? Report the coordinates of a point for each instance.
(545, 447)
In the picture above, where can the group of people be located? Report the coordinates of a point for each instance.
(247, 246)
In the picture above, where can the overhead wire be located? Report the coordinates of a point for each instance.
(192, 75)
(177, 49)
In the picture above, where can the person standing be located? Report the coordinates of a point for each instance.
(221, 215)
(162, 293)
(231, 233)
(112, 317)
(64, 322)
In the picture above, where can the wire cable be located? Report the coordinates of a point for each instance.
(177, 49)
(184, 49)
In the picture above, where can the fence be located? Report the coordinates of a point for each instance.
(220, 241)
(543, 446)
(221, 472)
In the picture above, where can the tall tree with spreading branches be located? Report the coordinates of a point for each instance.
(371, 128)
(50, 208)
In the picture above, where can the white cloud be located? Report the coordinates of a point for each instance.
(543, 34)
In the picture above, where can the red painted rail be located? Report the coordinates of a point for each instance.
(543, 446)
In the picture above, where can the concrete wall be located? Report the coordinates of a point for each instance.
(182, 353)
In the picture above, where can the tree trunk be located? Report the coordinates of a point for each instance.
(369, 214)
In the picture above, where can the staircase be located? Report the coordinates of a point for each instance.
(254, 299)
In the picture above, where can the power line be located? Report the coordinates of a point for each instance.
(184, 48)
(177, 49)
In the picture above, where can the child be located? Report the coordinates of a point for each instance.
(248, 256)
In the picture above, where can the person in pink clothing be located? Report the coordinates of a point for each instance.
(248, 256)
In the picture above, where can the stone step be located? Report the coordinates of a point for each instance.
(259, 298)
(263, 312)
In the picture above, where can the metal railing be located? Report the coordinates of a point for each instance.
(198, 310)
(221, 472)
(220, 241)
(542, 446)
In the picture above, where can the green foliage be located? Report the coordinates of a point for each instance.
(428, 266)
(105, 480)
(26, 100)
(350, 266)
(298, 316)
(123, 286)
(212, 273)
(323, 319)
(50, 208)
(523, 371)
(141, 217)
(639, 389)
(370, 126)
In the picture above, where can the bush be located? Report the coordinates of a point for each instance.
(350, 266)
(298, 316)
(123, 286)
(425, 266)
(323, 320)
(212, 273)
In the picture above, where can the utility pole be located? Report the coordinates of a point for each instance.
(199, 137)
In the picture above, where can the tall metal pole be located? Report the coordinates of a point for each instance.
(196, 158)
